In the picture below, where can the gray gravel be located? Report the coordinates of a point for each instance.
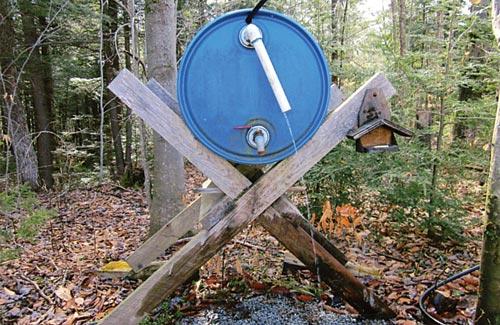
(262, 310)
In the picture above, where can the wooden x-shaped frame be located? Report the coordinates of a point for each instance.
(244, 202)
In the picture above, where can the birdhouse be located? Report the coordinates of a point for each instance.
(376, 132)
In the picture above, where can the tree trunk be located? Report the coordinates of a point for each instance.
(488, 308)
(128, 111)
(342, 40)
(168, 179)
(39, 74)
(423, 120)
(334, 31)
(402, 27)
(13, 110)
(111, 67)
(394, 29)
(461, 129)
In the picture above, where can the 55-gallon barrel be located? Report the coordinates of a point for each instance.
(226, 98)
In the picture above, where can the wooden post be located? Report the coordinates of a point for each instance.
(165, 237)
(488, 306)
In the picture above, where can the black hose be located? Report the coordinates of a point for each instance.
(428, 317)
(255, 11)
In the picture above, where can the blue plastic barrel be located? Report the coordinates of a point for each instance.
(223, 91)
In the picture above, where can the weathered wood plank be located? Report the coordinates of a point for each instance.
(331, 270)
(292, 220)
(165, 237)
(235, 216)
(164, 95)
(170, 126)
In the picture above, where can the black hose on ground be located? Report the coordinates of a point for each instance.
(428, 317)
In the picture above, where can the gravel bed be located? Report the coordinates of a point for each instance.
(262, 310)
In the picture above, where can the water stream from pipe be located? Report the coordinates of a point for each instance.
(308, 207)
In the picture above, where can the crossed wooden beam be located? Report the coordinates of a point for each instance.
(243, 203)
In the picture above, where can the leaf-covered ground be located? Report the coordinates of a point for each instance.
(52, 278)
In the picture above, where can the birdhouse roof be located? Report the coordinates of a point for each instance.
(372, 125)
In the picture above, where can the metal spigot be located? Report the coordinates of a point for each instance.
(260, 141)
(258, 138)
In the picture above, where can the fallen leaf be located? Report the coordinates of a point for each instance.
(278, 290)
(9, 292)
(305, 298)
(327, 215)
(237, 266)
(63, 293)
(406, 322)
(258, 286)
(116, 266)
(404, 300)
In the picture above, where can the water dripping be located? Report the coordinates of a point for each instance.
(308, 207)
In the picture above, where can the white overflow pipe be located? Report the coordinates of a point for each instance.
(253, 35)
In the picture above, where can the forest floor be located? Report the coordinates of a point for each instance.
(53, 279)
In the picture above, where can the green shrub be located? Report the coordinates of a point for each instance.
(402, 180)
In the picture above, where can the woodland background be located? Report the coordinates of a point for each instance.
(63, 131)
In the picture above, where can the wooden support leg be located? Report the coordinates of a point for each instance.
(290, 231)
(165, 237)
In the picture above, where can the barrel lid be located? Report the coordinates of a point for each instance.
(222, 88)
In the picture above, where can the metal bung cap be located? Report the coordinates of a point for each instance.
(223, 90)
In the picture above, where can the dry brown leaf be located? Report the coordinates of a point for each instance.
(9, 292)
(278, 290)
(313, 218)
(406, 322)
(258, 286)
(327, 215)
(237, 266)
(404, 300)
(63, 293)
(364, 269)
(305, 298)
